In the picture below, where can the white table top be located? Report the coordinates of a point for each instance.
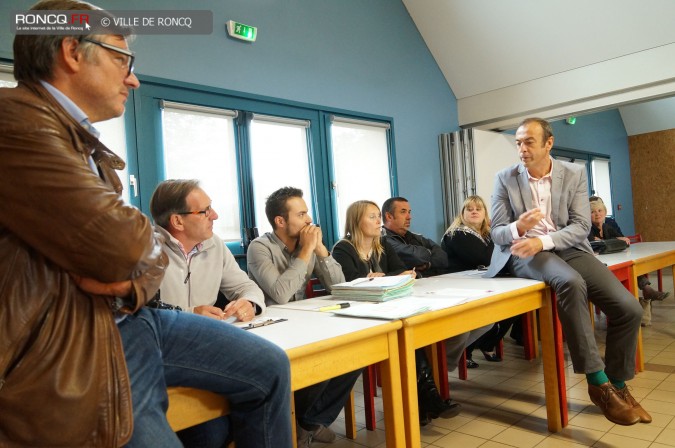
(472, 280)
(429, 294)
(637, 251)
(303, 327)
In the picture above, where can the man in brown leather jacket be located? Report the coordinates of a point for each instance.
(82, 362)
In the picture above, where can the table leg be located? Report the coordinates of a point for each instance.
(409, 389)
(391, 396)
(554, 375)
(639, 354)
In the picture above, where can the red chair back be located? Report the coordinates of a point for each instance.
(637, 238)
(311, 292)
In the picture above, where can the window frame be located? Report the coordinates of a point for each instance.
(328, 120)
(589, 157)
(148, 135)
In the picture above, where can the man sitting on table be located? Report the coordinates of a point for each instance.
(540, 221)
(201, 266)
(281, 262)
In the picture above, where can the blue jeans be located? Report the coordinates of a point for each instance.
(171, 348)
(211, 434)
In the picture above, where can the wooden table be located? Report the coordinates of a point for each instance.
(508, 297)
(640, 259)
(650, 257)
(321, 346)
(647, 257)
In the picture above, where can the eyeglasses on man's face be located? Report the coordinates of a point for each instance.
(126, 58)
(207, 212)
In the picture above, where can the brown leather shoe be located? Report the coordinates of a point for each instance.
(612, 404)
(639, 410)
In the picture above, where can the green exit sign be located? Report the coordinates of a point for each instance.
(241, 31)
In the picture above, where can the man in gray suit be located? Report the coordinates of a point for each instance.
(540, 225)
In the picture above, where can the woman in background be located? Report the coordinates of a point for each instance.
(601, 230)
(469, 246)
(363, 252)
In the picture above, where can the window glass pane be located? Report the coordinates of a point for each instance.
(6, 76)
(200, 145)
(601, 183)
(278, 159)
(113, 135)
(360, 166)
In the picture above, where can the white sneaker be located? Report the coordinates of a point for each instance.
(323, 434)
(304, 437)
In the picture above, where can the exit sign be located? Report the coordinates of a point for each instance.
(241, 31)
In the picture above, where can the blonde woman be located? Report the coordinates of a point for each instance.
(469, 246)
(363, 252)
(467, 241)
(601, 230)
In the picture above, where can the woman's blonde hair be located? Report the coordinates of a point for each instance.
(598, 205)
(484, 228)
(353, 233)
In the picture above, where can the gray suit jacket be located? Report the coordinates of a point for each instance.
(570, 209)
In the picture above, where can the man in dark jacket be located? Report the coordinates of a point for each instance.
(416, 251)
(428, 259)
(77, 368)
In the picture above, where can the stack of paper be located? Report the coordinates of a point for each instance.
(375, 289)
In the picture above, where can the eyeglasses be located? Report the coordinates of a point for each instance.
(126, 62)
(207, 212)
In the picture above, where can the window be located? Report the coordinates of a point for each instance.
(597, 170)
(113, 133)
(600, 180)
(279, 158)
(243, 147)
(6, 76)
(199, 144)
(360, 163)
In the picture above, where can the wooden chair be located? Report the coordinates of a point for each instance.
(637, 238)
(189, 407)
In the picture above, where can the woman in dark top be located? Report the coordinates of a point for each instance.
(467, 241)
(469, 246)
(363, 252)
(600, 230)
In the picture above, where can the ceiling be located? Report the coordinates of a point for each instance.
(575, 56)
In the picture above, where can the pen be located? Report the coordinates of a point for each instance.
(339, 306)
(370, 279)
(263, 323)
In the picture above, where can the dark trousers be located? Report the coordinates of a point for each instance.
(578, 277)
(321, 403)
(490, 340)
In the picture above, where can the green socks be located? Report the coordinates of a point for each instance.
(618, 384)
(597, 378)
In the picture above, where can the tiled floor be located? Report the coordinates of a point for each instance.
(503, 403)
